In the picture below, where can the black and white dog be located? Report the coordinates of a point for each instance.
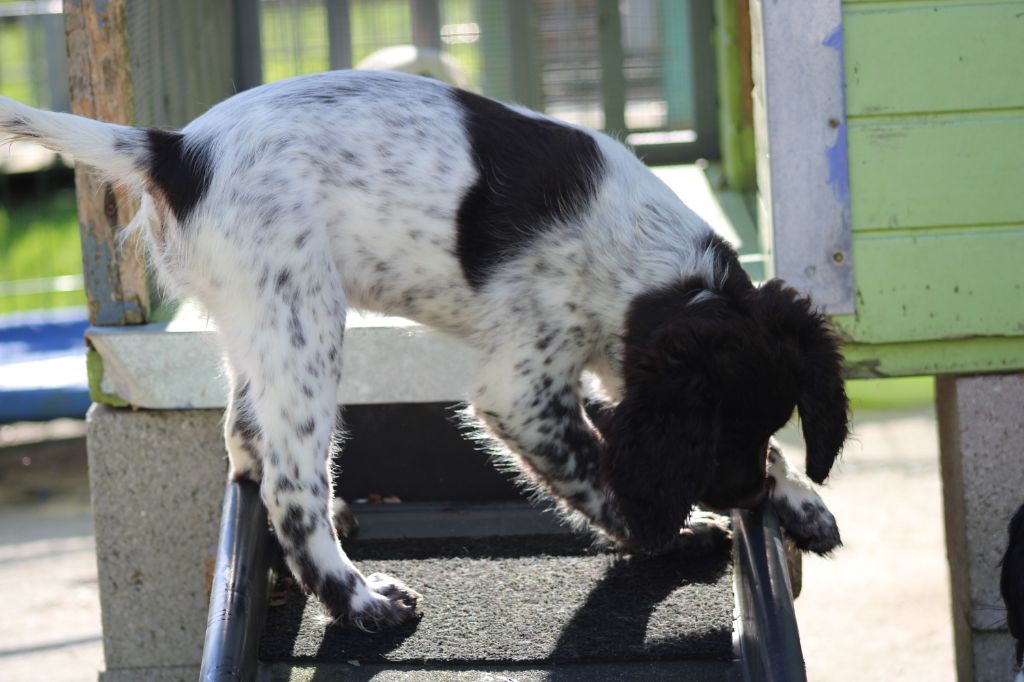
(548, 247)
(1011, 586)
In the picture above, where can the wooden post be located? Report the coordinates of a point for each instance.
(735, 88)
(101, 87)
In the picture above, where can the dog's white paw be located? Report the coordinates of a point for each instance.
(805, 518)
(705, 532)
(391, 603)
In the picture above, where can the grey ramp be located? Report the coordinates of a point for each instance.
(489, 604)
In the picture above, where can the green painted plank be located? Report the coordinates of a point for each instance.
(918, 3)
(965, 356)
(923, 57)
(937, 285)
(677, 63)
(913, 172)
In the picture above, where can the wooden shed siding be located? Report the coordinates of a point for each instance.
(950, 169)
(935, 107)
(927, 57)
(938, 284)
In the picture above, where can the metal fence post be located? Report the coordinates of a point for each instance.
(705, 114)
(339, 34)
(248, 49)
(613, 62)
(426, 23)
(525, 53)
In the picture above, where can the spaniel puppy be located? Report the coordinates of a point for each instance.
(548, 247)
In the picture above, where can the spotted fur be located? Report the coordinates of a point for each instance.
(548, 247)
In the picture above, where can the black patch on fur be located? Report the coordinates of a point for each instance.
(336, 594)
(1011, 583)
(284, 278)
(533, 173)
(294, 527)
(307, 427)
(731, 278)
(244, 426)
(19, 127)
(182, 176)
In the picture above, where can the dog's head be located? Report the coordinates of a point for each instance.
(710, 375)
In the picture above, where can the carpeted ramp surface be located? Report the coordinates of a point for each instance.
(522, 602)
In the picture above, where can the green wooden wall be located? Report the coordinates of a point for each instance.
(935, 108)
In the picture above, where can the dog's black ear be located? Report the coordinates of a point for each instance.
(658, 460)
(1011, 583)
(661, 440)
(822, 402)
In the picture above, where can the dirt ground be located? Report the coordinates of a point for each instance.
(877, 610)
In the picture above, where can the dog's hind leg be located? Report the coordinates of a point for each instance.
(285, 340)
(242, 434)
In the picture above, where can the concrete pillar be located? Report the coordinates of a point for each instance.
(157, 482)
(981, 441)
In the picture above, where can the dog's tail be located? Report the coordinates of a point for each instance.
(121, 153)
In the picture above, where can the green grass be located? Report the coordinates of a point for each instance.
(891, 394)
(39, 238)
(16, 77)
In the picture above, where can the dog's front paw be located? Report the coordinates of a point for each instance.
(390, 604)
(806, 519)
(705, 533)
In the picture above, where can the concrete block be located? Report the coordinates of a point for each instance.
(157, 483)
(993, 657)
(980, 437)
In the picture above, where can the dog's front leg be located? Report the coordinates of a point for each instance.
(801, 510)
(534, 408)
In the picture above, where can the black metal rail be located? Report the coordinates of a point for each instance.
(238, 598)
(768, 640)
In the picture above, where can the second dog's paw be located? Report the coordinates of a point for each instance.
(345, 522)
(807, 520)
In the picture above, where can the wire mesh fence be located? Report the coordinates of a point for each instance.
(562, 37)
(40, 262)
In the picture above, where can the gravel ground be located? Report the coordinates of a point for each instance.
(877, 610)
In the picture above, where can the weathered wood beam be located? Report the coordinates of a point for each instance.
(100, 82)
